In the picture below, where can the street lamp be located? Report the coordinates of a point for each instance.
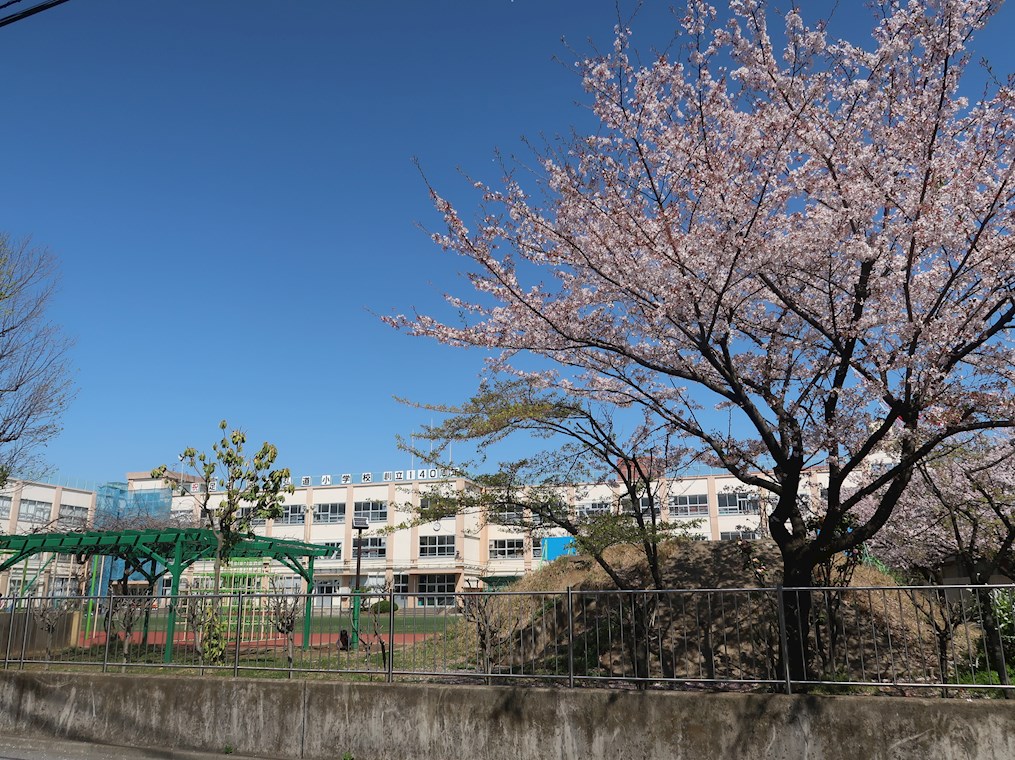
(359, 524)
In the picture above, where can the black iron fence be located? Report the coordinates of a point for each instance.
(947, 638)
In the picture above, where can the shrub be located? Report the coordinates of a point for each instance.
(383, 606)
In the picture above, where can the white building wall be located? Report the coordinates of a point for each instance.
(28, 507)
(480, 550)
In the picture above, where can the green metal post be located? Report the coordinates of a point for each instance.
(35, 577)
(174, 593)
(354, 643)
(89, 617)
(148, 608)
(308, 604)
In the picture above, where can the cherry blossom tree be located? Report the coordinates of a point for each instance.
(810, 235)
(960, 509)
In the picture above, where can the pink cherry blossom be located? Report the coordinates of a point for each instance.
(813, 235)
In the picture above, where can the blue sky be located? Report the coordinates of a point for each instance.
(229, 188)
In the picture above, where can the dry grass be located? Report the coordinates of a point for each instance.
(684, 564)
(859, 635)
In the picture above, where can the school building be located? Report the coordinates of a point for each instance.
(433, 559)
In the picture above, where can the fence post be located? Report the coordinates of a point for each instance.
(239, 634)
(24, 637)
(783, 638)
(390, 675)
(10, 632)
(108, 627)
(570, 639)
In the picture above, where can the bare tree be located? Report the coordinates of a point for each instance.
(377, 636)
(124, 614)
(48, 617)
(35, 384)
(283, 612)
(495, 625)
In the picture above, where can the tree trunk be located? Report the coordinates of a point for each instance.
(643, 609)
(796, 607)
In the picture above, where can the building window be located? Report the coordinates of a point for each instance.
(437, 546)
(328, 587)
(374, 511)
(247, 513)
(374, 547)
(333, 512)
(439, 589)
(645, 505)
(336, 549)
(739, 503)
(61, 587)
(35, 511)
(691, 505)
(400, 583)
(733, 535)
(507, 516)
(593, 509)
(5, 507)
(292, 514)
(650, 504)
(537, 549)
(503, 548)
(286, 584)
(73, 517)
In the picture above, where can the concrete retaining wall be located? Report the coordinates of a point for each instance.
(301, 719)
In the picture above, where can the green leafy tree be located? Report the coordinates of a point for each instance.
(534, 495)
(235, 489)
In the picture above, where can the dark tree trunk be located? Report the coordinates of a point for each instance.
(796, 607)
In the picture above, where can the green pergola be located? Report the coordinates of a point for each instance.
(157, 551)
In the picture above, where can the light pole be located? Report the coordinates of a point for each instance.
(358, 524)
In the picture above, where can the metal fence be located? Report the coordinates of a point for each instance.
(956, 639)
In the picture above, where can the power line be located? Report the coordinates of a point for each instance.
(43, 6)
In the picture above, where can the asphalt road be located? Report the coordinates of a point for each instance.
(25, 748)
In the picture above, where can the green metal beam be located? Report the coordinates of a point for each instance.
(185, 545)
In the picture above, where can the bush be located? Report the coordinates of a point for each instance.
(1003, 603)
(383, 606)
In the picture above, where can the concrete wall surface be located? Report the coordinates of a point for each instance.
(316, 720)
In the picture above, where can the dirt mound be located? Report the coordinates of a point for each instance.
(684, 564)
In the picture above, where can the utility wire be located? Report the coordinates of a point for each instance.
(43, 6)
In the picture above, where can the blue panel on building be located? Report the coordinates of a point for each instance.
(557, 546)
(119, 508)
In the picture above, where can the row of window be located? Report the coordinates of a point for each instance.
(376, 511)
(32, 510)
(438, 588)
(376, 547)
(689, 505)
(332, 512)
